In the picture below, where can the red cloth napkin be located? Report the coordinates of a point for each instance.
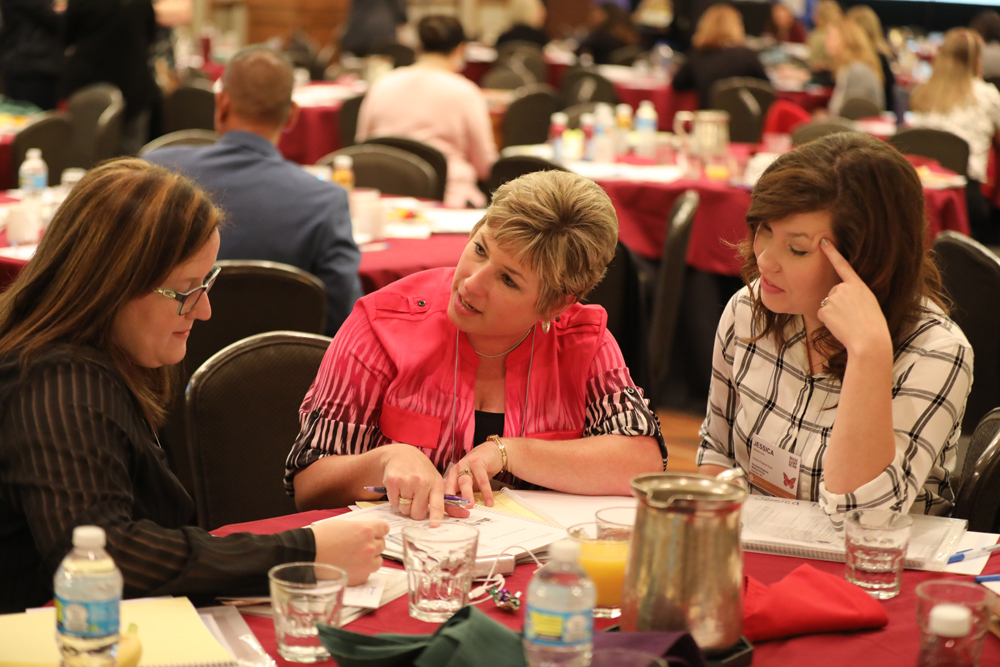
(807, 601)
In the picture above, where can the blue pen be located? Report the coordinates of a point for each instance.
(448, 500)
(967, 554)
(982, 579)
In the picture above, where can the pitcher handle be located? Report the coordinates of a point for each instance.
(735, 475)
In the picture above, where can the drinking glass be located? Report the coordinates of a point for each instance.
(615, 521)
(977, 598)
(439, 567)
(302, 595)
(603, 558)
(876, 550)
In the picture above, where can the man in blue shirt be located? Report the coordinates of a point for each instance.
(276, 211)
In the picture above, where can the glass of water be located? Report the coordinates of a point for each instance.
(302, 595)
(876, 550)
(439, 566)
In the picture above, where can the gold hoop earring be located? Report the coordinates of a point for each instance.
(546, 325)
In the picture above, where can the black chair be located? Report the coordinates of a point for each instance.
(190, 107)
(747, 101)
(180, 138)
(433, 156)
(979, 486)
(402, 55)
(95, 113)
(669, 290)
(507, 49)
(527, 62)
(570, 77)
(626, 55)
(590, 87)
(857, 108)
(249, 297)
(503, 77)
(508, 168)
(348, 120)
(806, 133)
(51, 133)
(527, 118)
(391, 170)
(242, 410)
(574, 113)
(951, 152)
(970, 273)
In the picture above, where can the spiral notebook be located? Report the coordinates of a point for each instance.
(170, 629)
(801, 528)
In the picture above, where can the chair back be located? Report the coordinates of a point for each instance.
(527, 118)
(575, 112)
(508, 168)
(856, 108)
(626, 55)
(392, 170)
(95, 113)
(51, 133)
(242, 410)
(190, 107)
(348, 120)
(970, 273)
(747, 100)
(433, 156)
(402, 55)
(527, 61)
(951, 151)
(803, 134)
(503, 77)
(978, 498)
(590, 87)
(669, 291)
(180, 138)
(508, 48)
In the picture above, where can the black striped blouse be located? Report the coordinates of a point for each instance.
(75, 449)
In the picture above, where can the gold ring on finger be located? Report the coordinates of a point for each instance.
(465, 471)
(405, 501)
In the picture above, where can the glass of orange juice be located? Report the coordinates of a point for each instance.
(603, 556)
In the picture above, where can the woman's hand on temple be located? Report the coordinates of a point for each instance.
(413, 484)
(474, 471)
(851, 312)
(355, 546)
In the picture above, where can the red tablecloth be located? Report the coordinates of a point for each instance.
(402, 257)
(896, 644)
(316, 134)
(7, 177)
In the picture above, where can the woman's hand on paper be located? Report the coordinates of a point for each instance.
(474, 471)
(355, 546)
(414, 486)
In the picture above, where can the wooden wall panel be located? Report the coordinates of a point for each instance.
(320, 19)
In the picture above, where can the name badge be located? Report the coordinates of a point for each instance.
(773, 470)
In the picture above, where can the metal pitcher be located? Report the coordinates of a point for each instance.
(685, 568)
(709, 136)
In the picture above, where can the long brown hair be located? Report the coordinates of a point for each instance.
(121, 231)
(956, 65)
(876, 206)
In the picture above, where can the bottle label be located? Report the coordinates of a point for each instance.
(555, 628)
(34, 182)
(87, 620)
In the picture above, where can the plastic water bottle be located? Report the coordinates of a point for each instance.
(559, 623)
(33, 176)
(950, 643)
(88, 587)
(605, 133)
(343, 172)
(646, 121)
(557, 126)
(588, 127)
(623, 117)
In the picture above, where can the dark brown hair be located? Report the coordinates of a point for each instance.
(440, 33)
(876, 206)
(125, 226)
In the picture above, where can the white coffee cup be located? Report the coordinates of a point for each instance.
(24, 222)
(367, 213)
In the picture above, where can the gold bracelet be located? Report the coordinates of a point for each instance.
(503, 452)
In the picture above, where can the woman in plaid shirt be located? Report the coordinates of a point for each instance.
(839, 350)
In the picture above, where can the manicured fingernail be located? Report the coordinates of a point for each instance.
(824, 242)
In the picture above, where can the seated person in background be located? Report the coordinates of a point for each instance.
(527, 19)
(277, 211)
(825, 14)
(783, 26)
(956, 99)
(371, 24)
(427, 370)
(838, 351)
(431, 102)
(866, 17)
(856, 70)
(612, 29)
(987, 24)
(88, 335)
(718, 53)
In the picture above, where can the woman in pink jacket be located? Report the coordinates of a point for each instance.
(451, 379)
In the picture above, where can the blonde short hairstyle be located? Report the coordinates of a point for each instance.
(720, 27)
(563, 226)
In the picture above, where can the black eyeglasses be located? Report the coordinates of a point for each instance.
(186, 301)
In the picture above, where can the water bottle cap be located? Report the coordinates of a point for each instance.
(343, 162)
(34, 153)
(565, 551)
(88, 537)
(950, 620)
(624, 109)
(586, 119)
(559, 118)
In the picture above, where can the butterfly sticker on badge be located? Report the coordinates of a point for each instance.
(789, 481)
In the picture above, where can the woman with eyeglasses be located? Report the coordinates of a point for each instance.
(89, 334)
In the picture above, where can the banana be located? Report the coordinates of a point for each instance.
(129, 648)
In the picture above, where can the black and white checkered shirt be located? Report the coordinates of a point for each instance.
(763, 390)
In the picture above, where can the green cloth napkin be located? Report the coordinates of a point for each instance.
(468, 639)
